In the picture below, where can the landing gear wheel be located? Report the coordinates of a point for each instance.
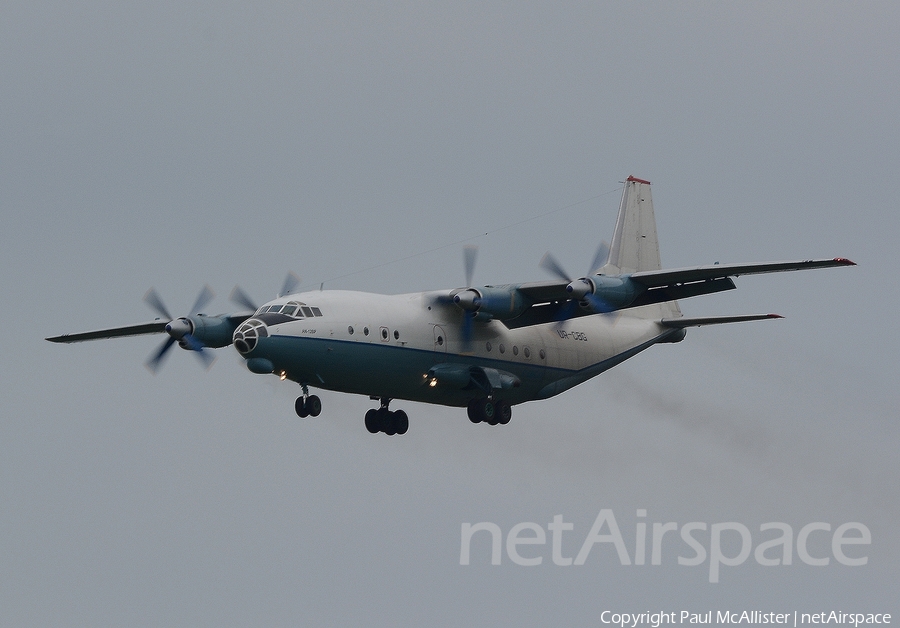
(372, 421)
(483, 410)
(313, 405)
(301, 409)
(386, 421)
(383, 420)
(401, 422)
(504, 412)
(473, 412)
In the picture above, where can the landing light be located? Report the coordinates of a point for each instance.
(433, 382)
(283, 376)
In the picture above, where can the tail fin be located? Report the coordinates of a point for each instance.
(635, 246)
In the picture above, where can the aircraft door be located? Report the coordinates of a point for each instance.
(440, 339)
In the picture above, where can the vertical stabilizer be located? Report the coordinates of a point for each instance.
(635, 245)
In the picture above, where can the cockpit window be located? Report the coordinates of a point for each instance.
(294, 309)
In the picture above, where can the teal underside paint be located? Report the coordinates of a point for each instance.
(397, 372)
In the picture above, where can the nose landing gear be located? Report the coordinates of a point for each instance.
(387, 421)
(307, 405)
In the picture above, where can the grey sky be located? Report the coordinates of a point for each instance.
(174, 144)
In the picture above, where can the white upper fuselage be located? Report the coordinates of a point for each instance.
(384, 345)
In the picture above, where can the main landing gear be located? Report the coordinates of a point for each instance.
(307, 405)
(387, 421)
(486, 410)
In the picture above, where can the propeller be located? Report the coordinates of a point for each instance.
(290, 284)
(470, 254)
(467, 299)
(601, 257)
(179, 329)
(239, 297)
(581, 289)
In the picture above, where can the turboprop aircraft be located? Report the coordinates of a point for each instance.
(485, 348)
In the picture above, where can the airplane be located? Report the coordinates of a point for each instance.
(483, 348)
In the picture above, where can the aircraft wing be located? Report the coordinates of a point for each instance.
(139, 329)
(545, 291)
(658, 278)
(153, 327)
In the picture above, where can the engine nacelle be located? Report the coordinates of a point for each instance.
(613, 292)
(501, 303)
(210, 331)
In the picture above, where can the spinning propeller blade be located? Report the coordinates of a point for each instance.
(290, 284)
(598, 305)
(601, 257)
(206, 295)
(241, 298)
(470, 254)
(549, 263)
(152, 299)
(179, 329)
(238, 296)
(156, 359)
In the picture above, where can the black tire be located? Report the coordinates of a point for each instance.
(472, 411)
(372, 421)
(300, 408)
(504, 412)
(401, 422)
(387, 421)
(488, 411)
(313, 405)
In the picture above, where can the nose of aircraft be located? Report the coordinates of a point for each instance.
(248, 334)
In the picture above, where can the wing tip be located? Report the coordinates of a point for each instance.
(843, 261)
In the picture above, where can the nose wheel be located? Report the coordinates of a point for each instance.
(386, 421)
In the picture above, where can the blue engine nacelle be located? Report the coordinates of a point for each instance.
(611, 293)
(210, 331)
(490, 302)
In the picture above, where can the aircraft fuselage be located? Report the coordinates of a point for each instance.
(387, 345)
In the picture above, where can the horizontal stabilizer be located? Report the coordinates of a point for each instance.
(154, 327)
(681, 323)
